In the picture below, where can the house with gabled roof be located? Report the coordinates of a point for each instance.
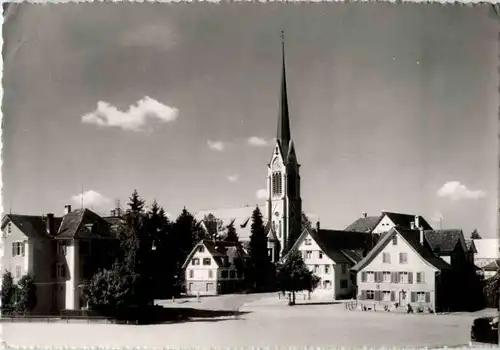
(402, 269)
(389, 220)
(215, 267)
(60, 254)
(330, 254)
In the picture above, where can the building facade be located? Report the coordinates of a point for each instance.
(214, 268)
(400, 270)
(60, 254)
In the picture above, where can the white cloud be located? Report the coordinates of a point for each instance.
(91, 198)
(261, 194)
(454, 190)
(233, 178)
(257, 141)
(216, 145)
(135, 118)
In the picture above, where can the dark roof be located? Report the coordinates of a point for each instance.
(31, 225)
(443, 241)
(73, 225)
(365, 224)
(410, 236)
(492, 266)
(352, 255)
(404, 221)
(337, 245)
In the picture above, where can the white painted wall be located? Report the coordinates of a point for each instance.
(72, 280)
(384, 225)
(10, 261)
(414, 264)
(315, 260)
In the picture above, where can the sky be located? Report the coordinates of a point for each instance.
(392, 107)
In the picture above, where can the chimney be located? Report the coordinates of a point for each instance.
(417, 221)
(317, 225)
(50, 224)
(67, 209)
(364, 214)
(412, 225)
(421, 230)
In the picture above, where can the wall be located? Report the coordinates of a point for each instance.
(414, 264)
(9, 261)
(315, 260)
(201, 275)
(384, 225)
(73, 276)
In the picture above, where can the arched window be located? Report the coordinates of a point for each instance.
(277, 184)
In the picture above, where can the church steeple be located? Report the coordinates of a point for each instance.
(283, 134)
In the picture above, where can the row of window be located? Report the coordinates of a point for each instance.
(223, 274)
(387, 295)
(317, 268)
(392, 277)
(308, 253)
(403, 258)
(206, 261)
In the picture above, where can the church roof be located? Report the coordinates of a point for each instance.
(241, 217)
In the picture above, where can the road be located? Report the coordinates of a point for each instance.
(268, 323)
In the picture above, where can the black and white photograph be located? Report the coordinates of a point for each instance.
(250, 175)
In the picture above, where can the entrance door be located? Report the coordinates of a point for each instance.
(403, 298)
(190, 287)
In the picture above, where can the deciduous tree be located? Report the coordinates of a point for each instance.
(294, 276)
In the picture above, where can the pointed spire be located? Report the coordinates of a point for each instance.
(283, 134)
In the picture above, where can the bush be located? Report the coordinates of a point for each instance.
(26, 295)
(8, 294)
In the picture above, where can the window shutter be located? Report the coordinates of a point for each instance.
(378, 294)
(410, 277)
(13, 249)
(393, 296)
(427, 297)
(363, 295)
(413, 297)
(422, 277)
(363, 276)
(393, 277)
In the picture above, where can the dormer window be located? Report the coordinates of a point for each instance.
(89, 226)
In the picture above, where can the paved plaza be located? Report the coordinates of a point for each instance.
(267, 321)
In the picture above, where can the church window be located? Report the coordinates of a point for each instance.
(277, 183)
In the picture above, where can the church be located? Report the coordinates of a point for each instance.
(282, 212)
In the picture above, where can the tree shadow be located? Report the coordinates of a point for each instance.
(309, 303)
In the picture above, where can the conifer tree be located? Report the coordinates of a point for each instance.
(8, 293)
(231, 235)
(259, 259)
(186, 232)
